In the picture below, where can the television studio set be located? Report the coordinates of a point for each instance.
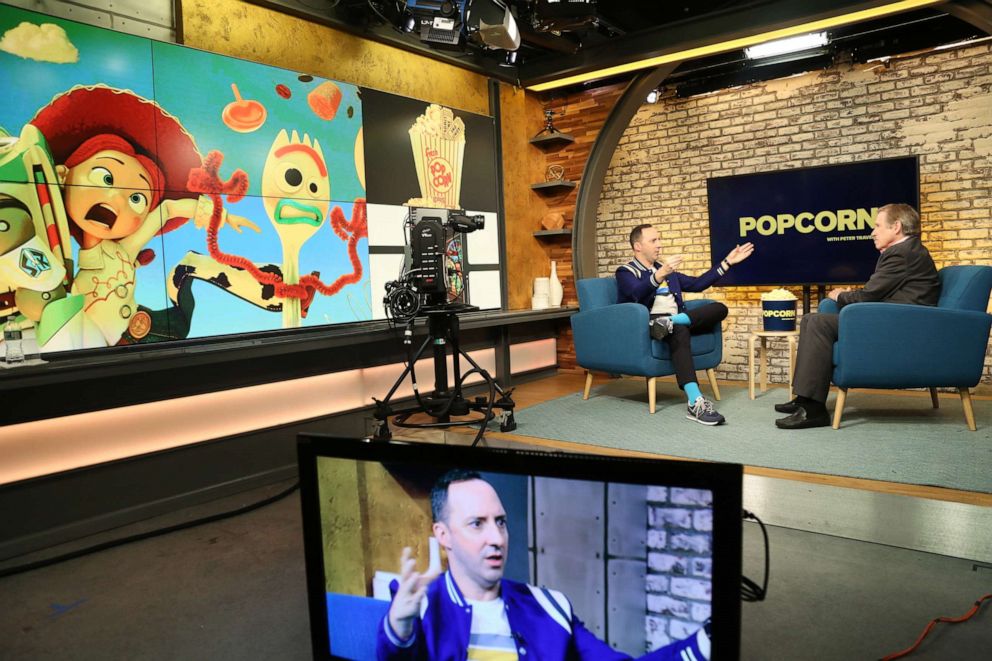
(639, 330)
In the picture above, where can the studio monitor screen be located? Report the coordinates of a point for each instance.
(808, 225)
(592, 556)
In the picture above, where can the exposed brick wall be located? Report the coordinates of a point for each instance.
(582, 116)
(680, 563)
(936, 105)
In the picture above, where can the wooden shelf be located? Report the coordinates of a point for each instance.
(553, 186)
(549, 234)
(556, 139)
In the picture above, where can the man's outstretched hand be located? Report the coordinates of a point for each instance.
(740, 253)
(406, 603)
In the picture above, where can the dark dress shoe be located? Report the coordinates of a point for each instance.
(800, 420)
(789, 407)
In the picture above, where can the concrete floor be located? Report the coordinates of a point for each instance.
(235, 589)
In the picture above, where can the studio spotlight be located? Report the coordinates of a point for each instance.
(491, 25)
(439, 24)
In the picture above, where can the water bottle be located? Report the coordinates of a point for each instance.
(12, 342)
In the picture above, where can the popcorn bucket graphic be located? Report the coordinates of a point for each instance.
(779, 315)
(438, 142)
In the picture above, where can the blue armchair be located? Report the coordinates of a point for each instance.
(889, 345)
(353, 624)
(613, 337)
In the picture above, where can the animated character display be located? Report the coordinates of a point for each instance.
(296, 193)
(35, 254)
(123, 163)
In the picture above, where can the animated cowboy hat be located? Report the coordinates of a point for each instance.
(84, 113)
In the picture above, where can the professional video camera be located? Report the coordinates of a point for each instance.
(422, 289)
(426, 278)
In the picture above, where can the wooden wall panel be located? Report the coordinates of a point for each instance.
(244, 30)
(368, 515)
(582, 115)
(523, 164)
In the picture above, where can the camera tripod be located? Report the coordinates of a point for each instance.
(447, 401)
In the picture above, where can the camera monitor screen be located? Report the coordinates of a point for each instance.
(445, 552)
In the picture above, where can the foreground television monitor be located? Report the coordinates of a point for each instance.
(592, 556)
(809, 226)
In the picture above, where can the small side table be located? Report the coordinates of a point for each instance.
(764, 336)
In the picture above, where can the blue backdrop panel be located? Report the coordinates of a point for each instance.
(810, 225)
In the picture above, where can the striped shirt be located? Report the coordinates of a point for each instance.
(491, 638)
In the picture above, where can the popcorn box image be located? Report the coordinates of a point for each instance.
(437, 139)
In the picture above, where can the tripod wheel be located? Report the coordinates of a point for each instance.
(380, 431)
(508, 423)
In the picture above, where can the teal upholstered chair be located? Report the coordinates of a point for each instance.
(353, 623)
(889, 345)
(613, 337)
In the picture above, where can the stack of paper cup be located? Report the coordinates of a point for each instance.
(542, 294)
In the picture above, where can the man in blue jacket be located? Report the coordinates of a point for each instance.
(472, 612)
(658, 286)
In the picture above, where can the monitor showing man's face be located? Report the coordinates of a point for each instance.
(474, 532)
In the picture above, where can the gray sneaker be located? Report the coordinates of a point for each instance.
(702, 411)
(661, 327)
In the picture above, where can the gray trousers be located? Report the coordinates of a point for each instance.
(814, 357)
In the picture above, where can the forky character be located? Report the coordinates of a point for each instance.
(296, 195)
(296, 192)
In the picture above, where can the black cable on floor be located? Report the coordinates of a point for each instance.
(750, 591)
(147, 535)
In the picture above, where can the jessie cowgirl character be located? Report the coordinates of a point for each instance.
(123, 163)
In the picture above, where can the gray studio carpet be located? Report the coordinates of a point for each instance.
(888, 437)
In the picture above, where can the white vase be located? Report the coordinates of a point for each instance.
(541, 288)
(555, 292)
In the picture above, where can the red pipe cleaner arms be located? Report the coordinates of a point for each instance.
(207, 181)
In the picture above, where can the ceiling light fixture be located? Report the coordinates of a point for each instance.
(788, 45)
(962, 44)
(652, 96)
(736, 44)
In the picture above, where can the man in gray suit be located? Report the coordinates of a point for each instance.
(905, 273)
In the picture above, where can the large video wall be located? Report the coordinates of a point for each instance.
(151, 192)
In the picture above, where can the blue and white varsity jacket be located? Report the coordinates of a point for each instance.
(636, 283)
(541, 620)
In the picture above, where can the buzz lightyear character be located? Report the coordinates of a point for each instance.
(35, 254)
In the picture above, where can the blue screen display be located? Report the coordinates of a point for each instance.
(808, 226)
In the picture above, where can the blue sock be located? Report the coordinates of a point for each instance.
(692, 391)
(681, 319)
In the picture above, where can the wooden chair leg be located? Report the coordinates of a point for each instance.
(933, 398)
(750, 366)
(969, 413)
(716, 389)
(839, 409)
(585, 393)
(652, 394)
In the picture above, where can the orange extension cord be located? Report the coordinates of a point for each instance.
(949, 620)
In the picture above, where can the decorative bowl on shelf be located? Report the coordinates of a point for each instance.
(553, 220)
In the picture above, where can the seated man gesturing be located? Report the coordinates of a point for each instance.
(473, 612)
(658, 286)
